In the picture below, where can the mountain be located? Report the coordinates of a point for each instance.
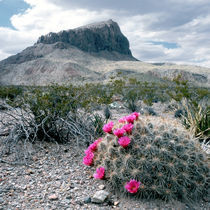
(93, 52)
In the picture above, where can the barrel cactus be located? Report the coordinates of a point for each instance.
(150, 157)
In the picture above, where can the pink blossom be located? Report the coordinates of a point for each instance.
(119, 132)
(124, 141)
(108, 127)
(130, 118)
(93, 146)
(99, 140)
(122, 120)
(88, 151)
(136, 114)
(88, 159)
(128, 128)
(132, 186)
(99, 173)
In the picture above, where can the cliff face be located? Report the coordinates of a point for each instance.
(103, 36)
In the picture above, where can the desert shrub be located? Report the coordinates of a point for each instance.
(107, 113)
(97, 123)
(24, 129)
(118, 86)
(178, 113)
(151, 158)
(197, 119)
(48, 106)
(181, 89)
(10, 92)
(96, 94)
(131, 97)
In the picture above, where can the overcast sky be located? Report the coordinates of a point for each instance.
(158, 30)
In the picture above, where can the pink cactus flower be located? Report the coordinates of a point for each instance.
(130, 118)
(124, 141)
(128, 128)
(108, 127)
(88, 151)
(93, 146)
(132, 186)
(119, 132)
(122, 120)
(88, 159)
(136, 114)
(99, 140)
(99, 173)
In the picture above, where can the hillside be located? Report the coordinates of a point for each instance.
(90, 53)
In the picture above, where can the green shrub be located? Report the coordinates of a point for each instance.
(131, 97)
(48, 105)
(197, 119)
(10, 92)
(107, 113)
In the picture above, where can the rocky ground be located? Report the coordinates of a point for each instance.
(56, 178)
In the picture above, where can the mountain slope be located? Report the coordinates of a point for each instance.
(90, 53)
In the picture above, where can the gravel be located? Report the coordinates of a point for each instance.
(59, 180)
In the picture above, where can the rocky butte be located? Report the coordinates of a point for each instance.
(94, 52)
(94, 38)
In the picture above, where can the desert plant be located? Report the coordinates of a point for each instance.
(151, 158)
(107, 113)
(97, 122)
(10, 92)
(131, 98)
(197, 119)
(48, 105)
(181, 89)
(151, 111)
(19, 130)
(178, 113)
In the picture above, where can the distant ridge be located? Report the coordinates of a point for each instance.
(91, 53)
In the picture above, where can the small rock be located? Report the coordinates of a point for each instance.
(29, 171)
(100, 196)
(87, 200)
(68, 197)
(101, 187)
(53, 197)
(116, 203)
(80, 203)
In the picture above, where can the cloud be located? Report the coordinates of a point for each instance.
(186, 24)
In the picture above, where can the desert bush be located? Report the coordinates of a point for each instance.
(97, 122)
(181, 89)
(107, 113)
(131, 97)
(96, 94)
(197, 119)
(147, 158)
(20, 129)
(48, 106)
(178, 113)
(10, 92)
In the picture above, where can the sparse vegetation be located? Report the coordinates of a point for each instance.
(60, 113)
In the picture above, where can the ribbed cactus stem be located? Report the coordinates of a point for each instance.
(161, 155)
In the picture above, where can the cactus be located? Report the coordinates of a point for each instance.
(161, 155)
